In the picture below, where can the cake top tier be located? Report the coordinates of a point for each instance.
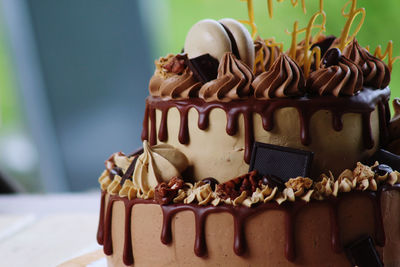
(221, 62)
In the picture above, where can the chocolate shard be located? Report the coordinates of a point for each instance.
(384, 157)
(281, 162)
(138, 151)
(204, 67)
(129, 172)
(362, 253)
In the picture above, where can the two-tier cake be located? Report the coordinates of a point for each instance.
(253, 156)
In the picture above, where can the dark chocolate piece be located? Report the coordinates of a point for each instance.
(204, 67)
(332, 57)
(382, 169)
(279, 161)
(116, 171)
(385, 157)
(362, 253)
(211, 181)
(138, 151)
(273, 181)
(129, 172)
(325, 44)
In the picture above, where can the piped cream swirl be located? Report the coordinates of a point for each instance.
(265, 56)
(376, 73)
(284, 79)
(233, 81)
(157, 164)
(173, 79)
(342, 78)
(181, 86)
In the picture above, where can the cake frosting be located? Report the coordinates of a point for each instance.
(193, 195)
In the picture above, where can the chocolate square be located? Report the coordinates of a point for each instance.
(282, 162)
(204, 67)
(385, 157)
(362, 253)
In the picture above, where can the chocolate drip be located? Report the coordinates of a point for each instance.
(337, 122)
(336, 243)
(163, 132)
(363, 103)
(366, 126)
(383, 123)
(100, 233)
(107, 240)
(153, 137)
(127, 255)
(240, 214)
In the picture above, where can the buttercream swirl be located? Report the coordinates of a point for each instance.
(284, 79)
(157, 164)
(172, 79)
(268, 55)
(180, 86)
(233, 81)
(339, 76)
(376, 73)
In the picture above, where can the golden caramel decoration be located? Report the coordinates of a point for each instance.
(308, 41)
(351, 15)
(250, 11)
(294, 4)
(388, 53)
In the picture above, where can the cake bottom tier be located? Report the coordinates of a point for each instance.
(143, 233)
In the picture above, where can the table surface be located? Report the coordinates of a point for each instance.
(46, 230)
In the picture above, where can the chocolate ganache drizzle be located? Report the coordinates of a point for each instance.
(240, 215)
(337, 76)
(362, 103)
(233, 81)
(376, 73)
(284, 79)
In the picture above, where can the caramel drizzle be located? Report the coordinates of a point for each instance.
(240, 215)
(388, 53)
(363, 103)
(251, 21)
(351, 15)
(308, 41)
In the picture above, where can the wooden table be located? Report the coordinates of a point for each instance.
(46, 230)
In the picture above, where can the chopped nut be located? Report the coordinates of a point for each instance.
(165, 193)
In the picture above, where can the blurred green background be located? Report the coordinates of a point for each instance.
(94, 51)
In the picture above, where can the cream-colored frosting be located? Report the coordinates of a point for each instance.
(333, 150)
(157, 164)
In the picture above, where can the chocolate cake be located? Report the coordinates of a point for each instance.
(253, 156)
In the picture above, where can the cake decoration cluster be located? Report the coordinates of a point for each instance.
(220, 62)
(248, 189)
